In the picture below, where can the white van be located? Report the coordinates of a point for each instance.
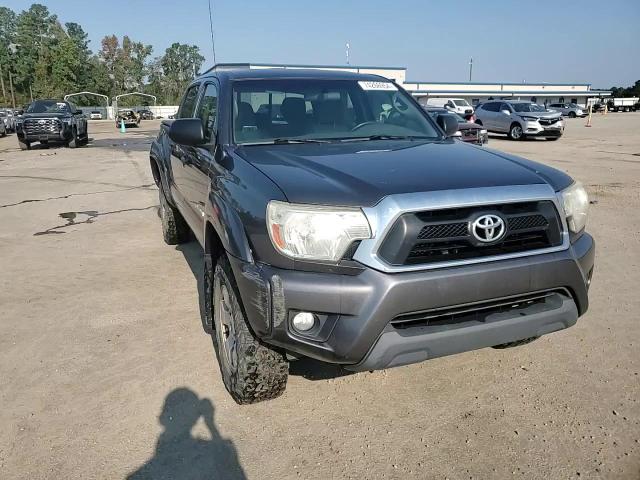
(458, 105)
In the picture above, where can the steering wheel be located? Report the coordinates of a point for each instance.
(363, 124)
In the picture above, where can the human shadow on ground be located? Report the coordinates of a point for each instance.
(181, 456)
(306, 368)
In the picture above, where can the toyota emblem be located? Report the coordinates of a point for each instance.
(488, 228)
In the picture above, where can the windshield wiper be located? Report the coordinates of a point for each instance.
(387, 137)
(279, 141)
(285, 141)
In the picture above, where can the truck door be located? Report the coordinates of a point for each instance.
(198, 160)
(180, 157)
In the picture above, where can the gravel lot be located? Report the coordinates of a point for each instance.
(106, 372)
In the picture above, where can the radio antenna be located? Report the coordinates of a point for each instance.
(213, 41)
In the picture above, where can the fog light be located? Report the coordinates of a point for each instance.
(304, 321)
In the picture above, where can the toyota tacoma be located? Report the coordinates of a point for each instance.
(52, 121)
(339, 221)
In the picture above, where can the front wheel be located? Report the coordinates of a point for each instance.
(515, 132)
(74, 142)
(174, 228)
(251, 371)
(572, 114)
(24, 145)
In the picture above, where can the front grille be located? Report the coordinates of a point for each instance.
(445, 230)
(548, 121)
(445, 235)
(480, 312)
(526, 222)
(44, 126)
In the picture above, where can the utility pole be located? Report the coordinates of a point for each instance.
(470, 68)
(348, 46)
(4, 92)
(13, 96)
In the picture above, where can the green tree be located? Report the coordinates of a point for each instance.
(34, 38)
(7, 35)
(81, 46)
(180, 64)
(66, 64)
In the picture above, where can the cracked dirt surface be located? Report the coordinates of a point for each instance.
(106, 372)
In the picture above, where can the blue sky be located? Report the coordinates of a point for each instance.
(539, 40)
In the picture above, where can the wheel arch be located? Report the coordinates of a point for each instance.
(230, 235)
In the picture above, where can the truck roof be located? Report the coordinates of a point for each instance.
(268, 73)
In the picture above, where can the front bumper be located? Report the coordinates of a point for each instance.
(357, 310)
(534, 129)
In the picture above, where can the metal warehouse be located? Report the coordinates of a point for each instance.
(538, 92)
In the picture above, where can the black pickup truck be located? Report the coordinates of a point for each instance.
(339, 221)
(52, 121)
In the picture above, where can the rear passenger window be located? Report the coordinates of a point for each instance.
(208, 109)
(189, 102)
(491, 106)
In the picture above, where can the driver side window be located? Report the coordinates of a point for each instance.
(208, 109)
(189, 102)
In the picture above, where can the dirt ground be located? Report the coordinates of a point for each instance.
(106, 372)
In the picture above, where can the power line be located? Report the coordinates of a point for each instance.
(213, 42)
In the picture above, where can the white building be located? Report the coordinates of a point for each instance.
(542, 93)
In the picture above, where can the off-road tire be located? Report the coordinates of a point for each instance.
(24, 145)
(174, 228)
(74, 142)
(517, 343)
(84, 140)
(256, 372)
(513, 132)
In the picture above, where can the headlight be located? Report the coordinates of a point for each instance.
(483, 132)
(312, 232)
(575, 202)
(530, 119)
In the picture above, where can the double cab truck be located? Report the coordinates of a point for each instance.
(47, 121)
(339, 221)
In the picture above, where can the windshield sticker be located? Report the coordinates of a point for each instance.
(388, 86)
(61, 105)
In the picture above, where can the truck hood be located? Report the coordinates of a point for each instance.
(362, 173)
(46, 115)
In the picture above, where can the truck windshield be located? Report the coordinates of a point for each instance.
(48, 106)
(461, 103)
(270, 111)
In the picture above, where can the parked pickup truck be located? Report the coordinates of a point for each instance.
(339, 221)
(52, 121)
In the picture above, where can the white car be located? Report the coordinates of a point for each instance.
(9, 121)
(96, 115)
(457, 105)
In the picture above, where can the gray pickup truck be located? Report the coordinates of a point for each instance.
(339, 221)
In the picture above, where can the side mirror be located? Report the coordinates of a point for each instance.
(506, 112)
(448, 123)
(187, 131)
